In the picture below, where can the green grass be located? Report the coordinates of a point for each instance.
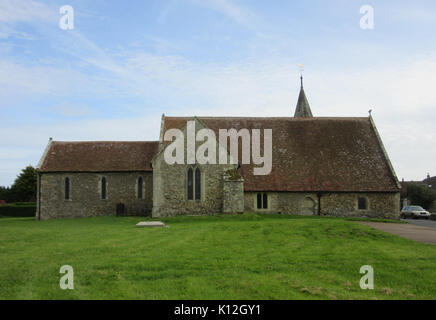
(246, 256)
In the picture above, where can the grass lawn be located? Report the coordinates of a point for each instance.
(224, 257)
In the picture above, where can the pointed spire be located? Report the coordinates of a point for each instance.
(303, 108)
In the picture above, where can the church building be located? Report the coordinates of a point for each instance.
(330, 166)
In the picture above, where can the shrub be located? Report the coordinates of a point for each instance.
(233, 174)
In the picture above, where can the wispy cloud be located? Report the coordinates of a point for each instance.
(396, 93)
(13, 11)
(231, 9)
(68, 110)
(408, 13)
(80, 72)
(7, 31)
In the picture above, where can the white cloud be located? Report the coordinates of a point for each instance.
(229, 8)
(67, 109)
(42, 79)
(407, 13)
(6, 32)
(12, 11)
(400, 92)
(401, 97)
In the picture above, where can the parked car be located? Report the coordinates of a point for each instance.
(414, 212)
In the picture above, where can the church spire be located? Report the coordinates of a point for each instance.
(303, 108)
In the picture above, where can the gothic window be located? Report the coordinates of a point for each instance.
(194, 184)
(262, 201)
(197, 184)
(190, 184)
(140, 187)
(265, 201)
(362, 203)
(67, 188)
(103, 188)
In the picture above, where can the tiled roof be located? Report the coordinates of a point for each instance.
(99, 156)
(312, 154)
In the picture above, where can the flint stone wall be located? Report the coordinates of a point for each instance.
(233, 196)
(170, 185)
(85, 194)
(380, 205)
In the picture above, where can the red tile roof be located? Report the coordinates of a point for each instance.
(308, 154)
(312, 154)
(99, 156)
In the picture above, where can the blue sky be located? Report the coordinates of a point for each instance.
(127, 62)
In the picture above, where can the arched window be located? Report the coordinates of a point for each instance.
(362, 203)
(265, 201)
(262, 201)
(67, 188)
(194, 184)
(197, 184)
(259, 201)
(103, 188)
(308, 206)
(190, 184)
(140, 185)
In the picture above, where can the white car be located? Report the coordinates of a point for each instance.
(414, 212)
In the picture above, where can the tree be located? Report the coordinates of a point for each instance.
(24, 187)
(421, 195)
(6, 194)
(431, 181)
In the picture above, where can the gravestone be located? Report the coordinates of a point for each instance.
(155, 224)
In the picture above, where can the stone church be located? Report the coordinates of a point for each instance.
(320, 166)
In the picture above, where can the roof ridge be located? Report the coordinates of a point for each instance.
(269, 118)
(104, 141)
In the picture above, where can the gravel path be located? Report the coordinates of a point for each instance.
(411, 231)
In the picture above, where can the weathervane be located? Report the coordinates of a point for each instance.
(301, 73)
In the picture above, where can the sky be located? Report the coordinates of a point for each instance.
(125, 63)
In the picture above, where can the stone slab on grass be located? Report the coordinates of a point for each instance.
(151, 224)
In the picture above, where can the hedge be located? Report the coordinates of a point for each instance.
(17, 211)
(23, 204)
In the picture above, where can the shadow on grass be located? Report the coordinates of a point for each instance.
(213, 218)
(262, 216)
